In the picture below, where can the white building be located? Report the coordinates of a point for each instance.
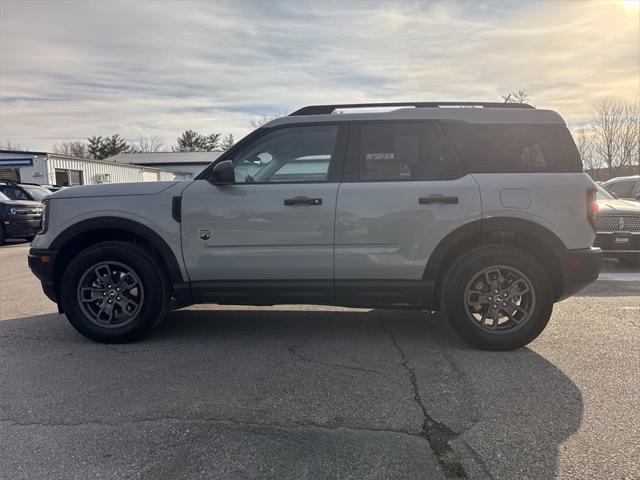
(49, 168)
(189, 162)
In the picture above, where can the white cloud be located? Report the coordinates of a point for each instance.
(75, 69)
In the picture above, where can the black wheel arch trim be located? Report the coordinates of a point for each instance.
(485, 226)
(136, 228)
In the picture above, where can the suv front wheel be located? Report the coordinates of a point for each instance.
(115, 292)
(498, 297)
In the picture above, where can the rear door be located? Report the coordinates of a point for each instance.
(277, 221)
(403, 191)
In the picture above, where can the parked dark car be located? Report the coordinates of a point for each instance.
(618, 227)
(625, 187)
(24, 191)
(19, 218)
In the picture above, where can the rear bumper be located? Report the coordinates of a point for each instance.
(579, 269)
(41, 264)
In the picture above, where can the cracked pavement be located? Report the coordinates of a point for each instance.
(306, 392)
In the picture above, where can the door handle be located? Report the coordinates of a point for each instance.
(302, 201)
(437, 199)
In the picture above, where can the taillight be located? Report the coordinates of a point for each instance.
(592, 207)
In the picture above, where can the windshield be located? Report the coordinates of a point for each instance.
(603, 194)
(38, 193)
(3, 196)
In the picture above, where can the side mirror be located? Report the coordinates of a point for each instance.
(223, 173)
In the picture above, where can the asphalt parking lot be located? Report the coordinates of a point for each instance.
(308, 392)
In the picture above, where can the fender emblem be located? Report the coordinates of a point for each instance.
(204, 234)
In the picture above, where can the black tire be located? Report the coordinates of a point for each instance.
(458, 293)
(630, 261)
(153, 303)
(2, 236)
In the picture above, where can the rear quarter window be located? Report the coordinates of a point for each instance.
(488, 148)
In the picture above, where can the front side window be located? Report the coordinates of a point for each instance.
(403, 151)
(621, 189)
(293, 154)
(14, 192)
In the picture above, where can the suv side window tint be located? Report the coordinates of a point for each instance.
(14, 193)
(403, 152)
(621, 189)
(290, 154)
(514, 147)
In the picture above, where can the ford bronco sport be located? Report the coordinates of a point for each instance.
(478, 209)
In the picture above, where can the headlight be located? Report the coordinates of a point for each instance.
(44, 222)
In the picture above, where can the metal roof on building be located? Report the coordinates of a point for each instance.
(160, 158)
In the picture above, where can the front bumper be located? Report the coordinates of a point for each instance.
(41, 264)
(579, 269)
(21, 227)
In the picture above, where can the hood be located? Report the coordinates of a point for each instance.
(20, 203)
(112, 189)
(618, 206)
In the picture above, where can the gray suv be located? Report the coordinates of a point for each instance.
(479, 209)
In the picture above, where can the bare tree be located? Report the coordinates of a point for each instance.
(630, 137)
(616, 134)
(148, 144)
(266, 118)
(584, 144)
(74, 148)
(12, 146)
(516, 97)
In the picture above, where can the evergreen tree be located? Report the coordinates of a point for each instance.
(189, 141)
(227, 142)
(94, 146)
(113, 145)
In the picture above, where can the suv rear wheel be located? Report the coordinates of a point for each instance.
(115, 292)
(497, 298)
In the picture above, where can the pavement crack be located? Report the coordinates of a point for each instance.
(293, 350)
(216, 421)
(437, 434)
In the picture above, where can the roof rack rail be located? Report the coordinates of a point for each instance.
(329, 109)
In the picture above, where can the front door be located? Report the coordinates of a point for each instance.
(275, 224)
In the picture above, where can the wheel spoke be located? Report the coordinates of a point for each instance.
(496, 282)
(482, 298)
(103, 272)
(90, 294)
(127, 282)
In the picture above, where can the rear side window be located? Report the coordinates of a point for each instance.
(401, 152)
(514, 147)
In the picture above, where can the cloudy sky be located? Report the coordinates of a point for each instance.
(72, 69)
